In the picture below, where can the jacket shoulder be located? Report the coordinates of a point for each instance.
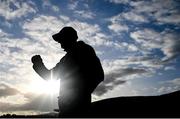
(85, 47)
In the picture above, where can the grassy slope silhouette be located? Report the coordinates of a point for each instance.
(136, 106)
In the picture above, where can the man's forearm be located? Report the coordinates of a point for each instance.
(42, 71)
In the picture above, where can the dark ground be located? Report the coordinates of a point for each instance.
(141, 106)
(163, 106)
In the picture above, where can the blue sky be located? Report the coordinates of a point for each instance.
(137, 41)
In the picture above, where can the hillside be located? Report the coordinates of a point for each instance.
(166, 105)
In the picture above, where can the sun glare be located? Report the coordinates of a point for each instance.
(41, 86)
(50, 86)
(46, 87)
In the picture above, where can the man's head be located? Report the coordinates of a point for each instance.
(66, 37)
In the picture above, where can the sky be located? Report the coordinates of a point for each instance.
(138, 43)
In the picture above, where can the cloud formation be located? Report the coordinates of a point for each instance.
(19, 9)
(169, 86)
(40, 103)
(117, 77)
(6, 90)
(165, 41)
(84, 14)
(48, 5)
(158, 11)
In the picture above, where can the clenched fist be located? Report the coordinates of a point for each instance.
(36, 59)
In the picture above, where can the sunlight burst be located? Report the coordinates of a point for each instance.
(45, 87)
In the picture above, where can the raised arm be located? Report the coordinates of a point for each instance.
(40, 69)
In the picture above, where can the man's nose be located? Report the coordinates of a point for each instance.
(62, 46)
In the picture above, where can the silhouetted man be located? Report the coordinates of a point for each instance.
(80, 72)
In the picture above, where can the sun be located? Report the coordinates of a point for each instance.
(50, 86)
(40, 86)
(45, 86)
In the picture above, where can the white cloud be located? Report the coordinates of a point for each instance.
(149, 63)
(142, 11)
(169, 68)
(92, 34)
(21, 9)
(55, 8)
(164, 90)
(2, 33)
(165, 41)
(73, 5)
(127, 89)
(43, 25)
(6, 90)
(175, 81)
(84, 14)
(127, 46)
(47, 4)
(132, 47)
(134, 17)
(139, 62)
(116, 19)
(169, 86)
(171, 46)
(120, 1)
(163, 12)
(35, 103)
(118, 27)
(131, 15)
(13, 99)
(78, 12)
(117, 22)
(42, 28)
(117, 77)
(174, 18)
(148, 38)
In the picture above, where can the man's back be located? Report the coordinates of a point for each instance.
(81, 72)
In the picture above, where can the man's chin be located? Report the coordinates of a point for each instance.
(64, 49)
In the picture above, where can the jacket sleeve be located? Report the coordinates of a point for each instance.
(45, 73)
